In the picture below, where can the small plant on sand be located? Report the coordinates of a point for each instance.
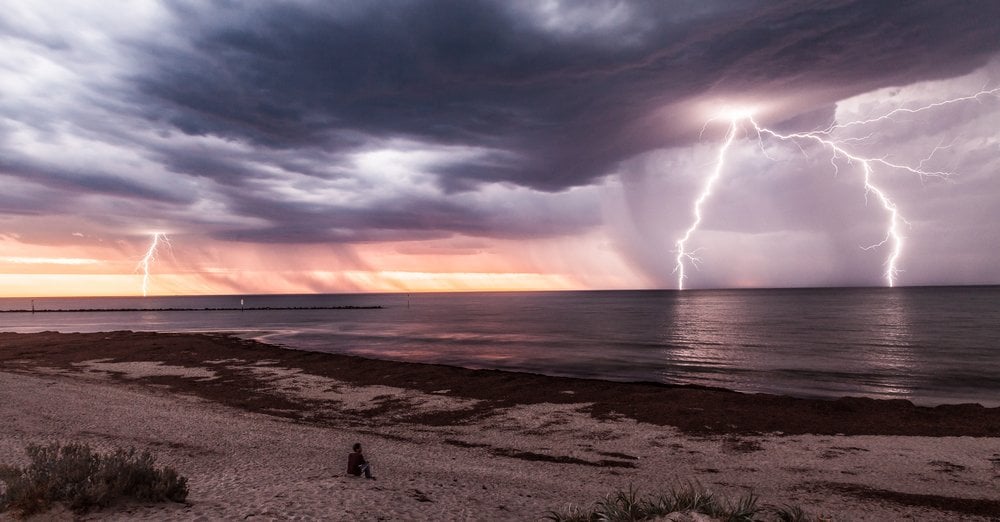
(743, 510)
(627, 506)
(692, 496)
(791, 514)
(83, 479)
(624, 505)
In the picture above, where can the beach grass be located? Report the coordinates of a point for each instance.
(691, 497)
(83, 479)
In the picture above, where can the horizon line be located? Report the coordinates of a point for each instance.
(523, 291)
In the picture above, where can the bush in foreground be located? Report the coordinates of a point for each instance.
(627, 506)
(83, 479)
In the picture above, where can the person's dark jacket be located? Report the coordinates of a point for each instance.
(354, 462)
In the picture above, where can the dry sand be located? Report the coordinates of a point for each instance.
(262, 438)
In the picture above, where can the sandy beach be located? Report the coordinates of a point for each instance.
(263, 432)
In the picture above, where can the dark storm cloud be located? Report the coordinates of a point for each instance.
(85, 180)
(230, 118)
(570, 104)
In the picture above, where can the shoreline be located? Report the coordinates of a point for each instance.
(923, 402)
(689, 408)
(260, 430)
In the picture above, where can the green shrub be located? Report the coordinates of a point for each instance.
(83, 480)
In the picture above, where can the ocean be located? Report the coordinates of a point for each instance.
(930, 345)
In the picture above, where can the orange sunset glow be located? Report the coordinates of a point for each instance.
(450, 265)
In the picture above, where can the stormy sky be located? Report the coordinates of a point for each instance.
(298, 146)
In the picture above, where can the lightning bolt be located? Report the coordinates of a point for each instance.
(904, 110)
(706, 191)
(893, 234)
(148, 258)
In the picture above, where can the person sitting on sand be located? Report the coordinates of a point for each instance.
(357, 464)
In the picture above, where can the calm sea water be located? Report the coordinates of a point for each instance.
(929, 345)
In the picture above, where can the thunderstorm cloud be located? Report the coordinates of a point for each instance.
(463, 125)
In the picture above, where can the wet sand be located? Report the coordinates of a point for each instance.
(263, 431)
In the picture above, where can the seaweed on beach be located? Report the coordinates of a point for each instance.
(693, 410)
(82, 479)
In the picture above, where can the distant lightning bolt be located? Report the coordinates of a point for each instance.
(148, 258)
(893, 234)
(904, 110)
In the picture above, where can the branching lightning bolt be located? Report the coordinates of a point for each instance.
(706, 191)
(893, 233)
(148, 258)
(904, 110)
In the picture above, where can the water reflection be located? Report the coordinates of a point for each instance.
(888, 356)
(932, 345)
(811, 343)
(698, 341)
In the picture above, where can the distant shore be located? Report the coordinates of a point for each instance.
(213, 309)
(848, 455)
